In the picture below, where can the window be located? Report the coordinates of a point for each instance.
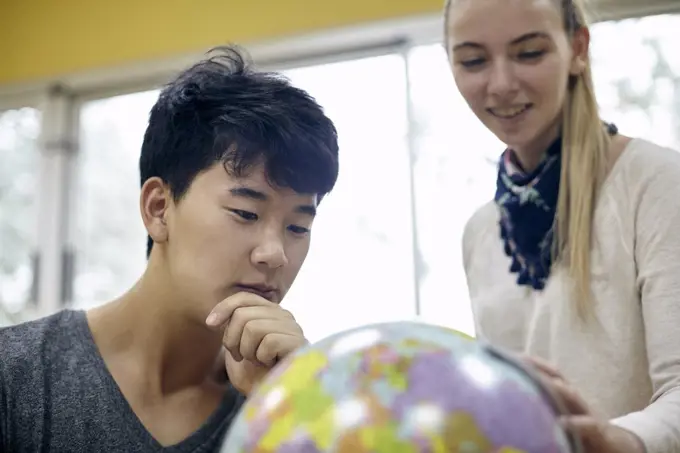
(111, 246)
(359, 269)
(19, 159)
(360, 266)
(637, 76)
(455, 173)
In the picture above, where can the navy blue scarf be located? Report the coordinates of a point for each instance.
(527, 204)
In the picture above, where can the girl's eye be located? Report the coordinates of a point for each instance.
(472, 63)
(532, 55)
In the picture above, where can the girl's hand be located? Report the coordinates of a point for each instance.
(596, 435)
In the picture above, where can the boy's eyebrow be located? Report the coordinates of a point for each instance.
(307, 209)
(247, 192)
(252, 194)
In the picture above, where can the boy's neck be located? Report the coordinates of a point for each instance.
(147, 329)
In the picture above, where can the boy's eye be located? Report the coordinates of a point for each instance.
(298, 229)
(245, 215)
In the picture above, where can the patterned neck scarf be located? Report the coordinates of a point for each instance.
(527, 203)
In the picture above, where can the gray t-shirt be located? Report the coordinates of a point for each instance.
(56, 395)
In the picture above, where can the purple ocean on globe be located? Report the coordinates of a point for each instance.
(443, 382)
(397, 387)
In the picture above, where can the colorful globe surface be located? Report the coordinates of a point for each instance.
(402, 387)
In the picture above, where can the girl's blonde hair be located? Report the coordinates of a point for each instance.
(585, 149)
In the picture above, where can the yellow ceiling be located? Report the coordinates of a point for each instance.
(44, 38)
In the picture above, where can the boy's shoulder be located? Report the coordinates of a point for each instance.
(33, 352)
(24, 343)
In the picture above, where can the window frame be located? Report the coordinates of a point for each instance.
(60, 100)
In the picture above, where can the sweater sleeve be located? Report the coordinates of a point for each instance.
(657, 256)
(474, 227)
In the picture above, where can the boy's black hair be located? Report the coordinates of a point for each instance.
(223, 110)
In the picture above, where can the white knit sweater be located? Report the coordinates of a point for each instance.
(627, 364)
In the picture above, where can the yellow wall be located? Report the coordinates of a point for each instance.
(41, 38)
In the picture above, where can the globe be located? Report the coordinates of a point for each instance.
(400, 387)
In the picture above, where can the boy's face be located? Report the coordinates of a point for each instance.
(230, 234)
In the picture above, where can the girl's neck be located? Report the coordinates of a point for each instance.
(531, 155)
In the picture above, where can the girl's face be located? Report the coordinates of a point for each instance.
(511, 61)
